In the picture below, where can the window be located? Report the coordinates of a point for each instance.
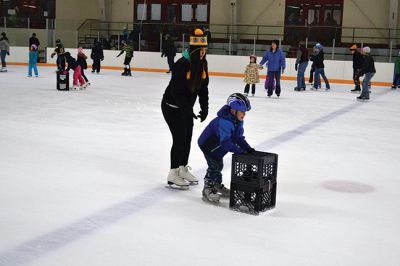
(141, 13)
(187, 12)
(202, 13)
(155, 11)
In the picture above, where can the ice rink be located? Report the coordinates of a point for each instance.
(83, 175)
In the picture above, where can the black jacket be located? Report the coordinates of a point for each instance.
(318, 59)
(178, 92)
(302, 55)
(97, 52)
(169, 48)
(81, 60)
(368, 65)
(72, 64)
(357, 60)
(34, 40)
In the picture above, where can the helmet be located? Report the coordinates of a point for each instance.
(319, 46)
(239, 102)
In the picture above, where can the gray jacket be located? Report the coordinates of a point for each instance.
(4, 45)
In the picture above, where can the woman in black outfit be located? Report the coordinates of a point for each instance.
(189, 80)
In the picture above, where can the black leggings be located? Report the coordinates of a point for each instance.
(247, 88)
(181, 127)
(83, 74)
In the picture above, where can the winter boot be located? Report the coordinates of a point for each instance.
(185, 174)
(129, 73)
(125, 72)
(210, 194)
(222, 190)
(174, 179)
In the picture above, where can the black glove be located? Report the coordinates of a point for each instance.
(162, 55)
(203, 115)
(8, 53)
(295, 66)
(251, 151)
(194, 115)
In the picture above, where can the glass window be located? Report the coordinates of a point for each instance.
(201, 13)
(141, 12)
(155, 11)
(187, 12)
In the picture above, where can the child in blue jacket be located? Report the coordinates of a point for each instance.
(276, 65)
(33, 58)
(224, 134)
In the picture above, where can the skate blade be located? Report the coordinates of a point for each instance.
(174, 186)
(210, 201)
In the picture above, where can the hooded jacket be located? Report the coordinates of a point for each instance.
(224, 134)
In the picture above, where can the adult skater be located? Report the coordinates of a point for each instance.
(128, 49)
(189, 80)
(97, 55)
(169, 51)
(300, 67)
(4, 51)
(319, 68)
(357, 65)
(276, 65)
(368, 71)
(59, 51)
(34, 40)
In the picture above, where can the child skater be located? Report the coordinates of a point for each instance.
(128, 49)
(78, 79)
(33, 58)
(251, 76)
(81, 60)
(224, 134)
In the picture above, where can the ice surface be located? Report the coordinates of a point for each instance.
(83, 174)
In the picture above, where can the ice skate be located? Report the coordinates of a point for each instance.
(3, 69)
(246, 94)
(356, 89)
(394, 87)
(185, 174)
(327, 89)
(362, 99)
(210, 194)
(76, 87)
(222, 190)
(252, 95)
(175, 181)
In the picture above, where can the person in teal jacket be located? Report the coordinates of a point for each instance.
(33, 58)
(396, 73)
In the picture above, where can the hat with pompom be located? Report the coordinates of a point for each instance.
(198, 39)
(366, 50)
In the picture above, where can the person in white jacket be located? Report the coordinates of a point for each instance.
(4, 51)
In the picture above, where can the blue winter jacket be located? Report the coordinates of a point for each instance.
(276, 60)
(224, 134)
(33, 57)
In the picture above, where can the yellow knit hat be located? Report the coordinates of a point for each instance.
(198, 39)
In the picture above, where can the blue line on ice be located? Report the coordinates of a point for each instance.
(47, 243)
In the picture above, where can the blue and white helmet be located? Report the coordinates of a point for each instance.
(238, 102)
(319, 46)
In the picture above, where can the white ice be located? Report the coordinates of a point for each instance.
(83, 175)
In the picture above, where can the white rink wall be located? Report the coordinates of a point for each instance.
(335, 70)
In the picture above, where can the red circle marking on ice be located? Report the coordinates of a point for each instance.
(347, 186)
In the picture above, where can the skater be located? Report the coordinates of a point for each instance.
(34, 40)
(128, 49)
(396, 72)
(318, 60)
(357, 65)
(189, 80)
(4, 51)
(81, 60)
(276, 65)
(251, 76)
(78, 79)
(300, 67)
(169, 51)
(59, 51)
(224, 134)
(97, 55)
(33, 58)
(368, 71)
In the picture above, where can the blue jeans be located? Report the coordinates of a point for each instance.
(3, 54)
(300, 75)
(271, 75)
(34, 67)
(213, 175)
(317, 81)
(365, 82)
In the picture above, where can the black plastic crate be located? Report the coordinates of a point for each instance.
(62, 81)
(253, 182)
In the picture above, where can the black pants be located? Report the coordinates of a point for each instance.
(170, 62)
(83, 74)
(311, 79)
(96, 65)
(181, 127)
(247, 88)
(356, 78)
